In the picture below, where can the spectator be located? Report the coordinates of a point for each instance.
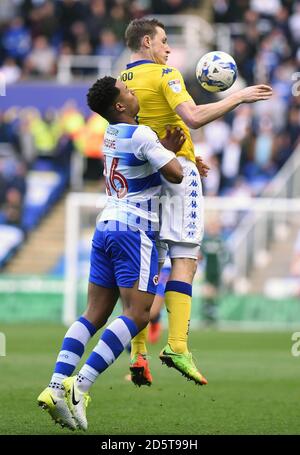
(16, 40)
(267, 8)
(118, 21)
(12, 171)
(43, 21)
(13, 207)
(244, 57)
(68, 12)
(169, 6)
(45, 132)
(230, 11)
(97, 19)
(231, 163)
(215, 257)
(109, 44)
(293, 126)
(264, 146)
(217, 134)
(8, 10)
(8, 133)
(79, 33)
(294, 24)
(42, 59)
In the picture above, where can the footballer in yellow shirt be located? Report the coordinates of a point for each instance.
(160, 89)
(163, 101)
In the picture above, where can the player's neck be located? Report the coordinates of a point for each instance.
(141, 55)
(125, 119)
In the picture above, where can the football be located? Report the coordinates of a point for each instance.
(216, 71)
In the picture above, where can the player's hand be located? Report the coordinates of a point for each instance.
(202, 167)
(174, 139)
(255, 93)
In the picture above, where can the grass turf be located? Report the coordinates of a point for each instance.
(253, 387)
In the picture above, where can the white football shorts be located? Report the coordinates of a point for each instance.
(182, 223)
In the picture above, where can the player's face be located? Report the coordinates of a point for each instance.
(127, 98)
(160, 49)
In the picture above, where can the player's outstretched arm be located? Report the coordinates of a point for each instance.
(196, 116)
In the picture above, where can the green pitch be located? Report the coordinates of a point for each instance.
(253, 387)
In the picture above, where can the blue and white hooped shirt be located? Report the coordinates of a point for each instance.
(133, 156)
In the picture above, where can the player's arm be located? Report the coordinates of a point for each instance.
(196, 116)
(172, 171)
(148, 147)
(174, 139)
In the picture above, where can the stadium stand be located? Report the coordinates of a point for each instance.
(245, 149)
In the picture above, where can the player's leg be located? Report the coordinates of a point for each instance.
(155, 326)
(139, 343)
(134, 257)
(116, 336)
(135, 316)
(100, 303)
(178, 299)
(138, 355)
(52, 399)
(182, 229)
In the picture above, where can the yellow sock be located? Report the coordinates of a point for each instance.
(138, 343)
(178, 303)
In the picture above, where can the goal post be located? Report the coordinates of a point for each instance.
(75, 202)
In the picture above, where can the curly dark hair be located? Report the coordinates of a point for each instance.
(102, 95)
(137, 29)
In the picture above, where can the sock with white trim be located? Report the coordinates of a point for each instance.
(72, 350)
(111, 344)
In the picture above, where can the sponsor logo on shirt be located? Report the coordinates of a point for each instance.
(175, 85)
(166, 71)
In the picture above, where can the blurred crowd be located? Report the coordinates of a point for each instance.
(35, 33)
(245, 149)
(27, 136)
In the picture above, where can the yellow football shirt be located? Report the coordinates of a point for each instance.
(159, 89)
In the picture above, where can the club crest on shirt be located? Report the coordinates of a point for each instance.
(175, 85)
(155, 280)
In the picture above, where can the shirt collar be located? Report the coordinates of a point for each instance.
(138, 62)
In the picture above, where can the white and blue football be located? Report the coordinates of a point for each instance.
(216, 71)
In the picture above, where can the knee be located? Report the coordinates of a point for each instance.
(139, 317)
(96, 315)
(183, 269)
(143, 320)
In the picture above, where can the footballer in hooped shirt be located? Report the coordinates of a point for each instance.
(124, 258)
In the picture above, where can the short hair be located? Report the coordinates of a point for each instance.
(102, 95)
(138, 28)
